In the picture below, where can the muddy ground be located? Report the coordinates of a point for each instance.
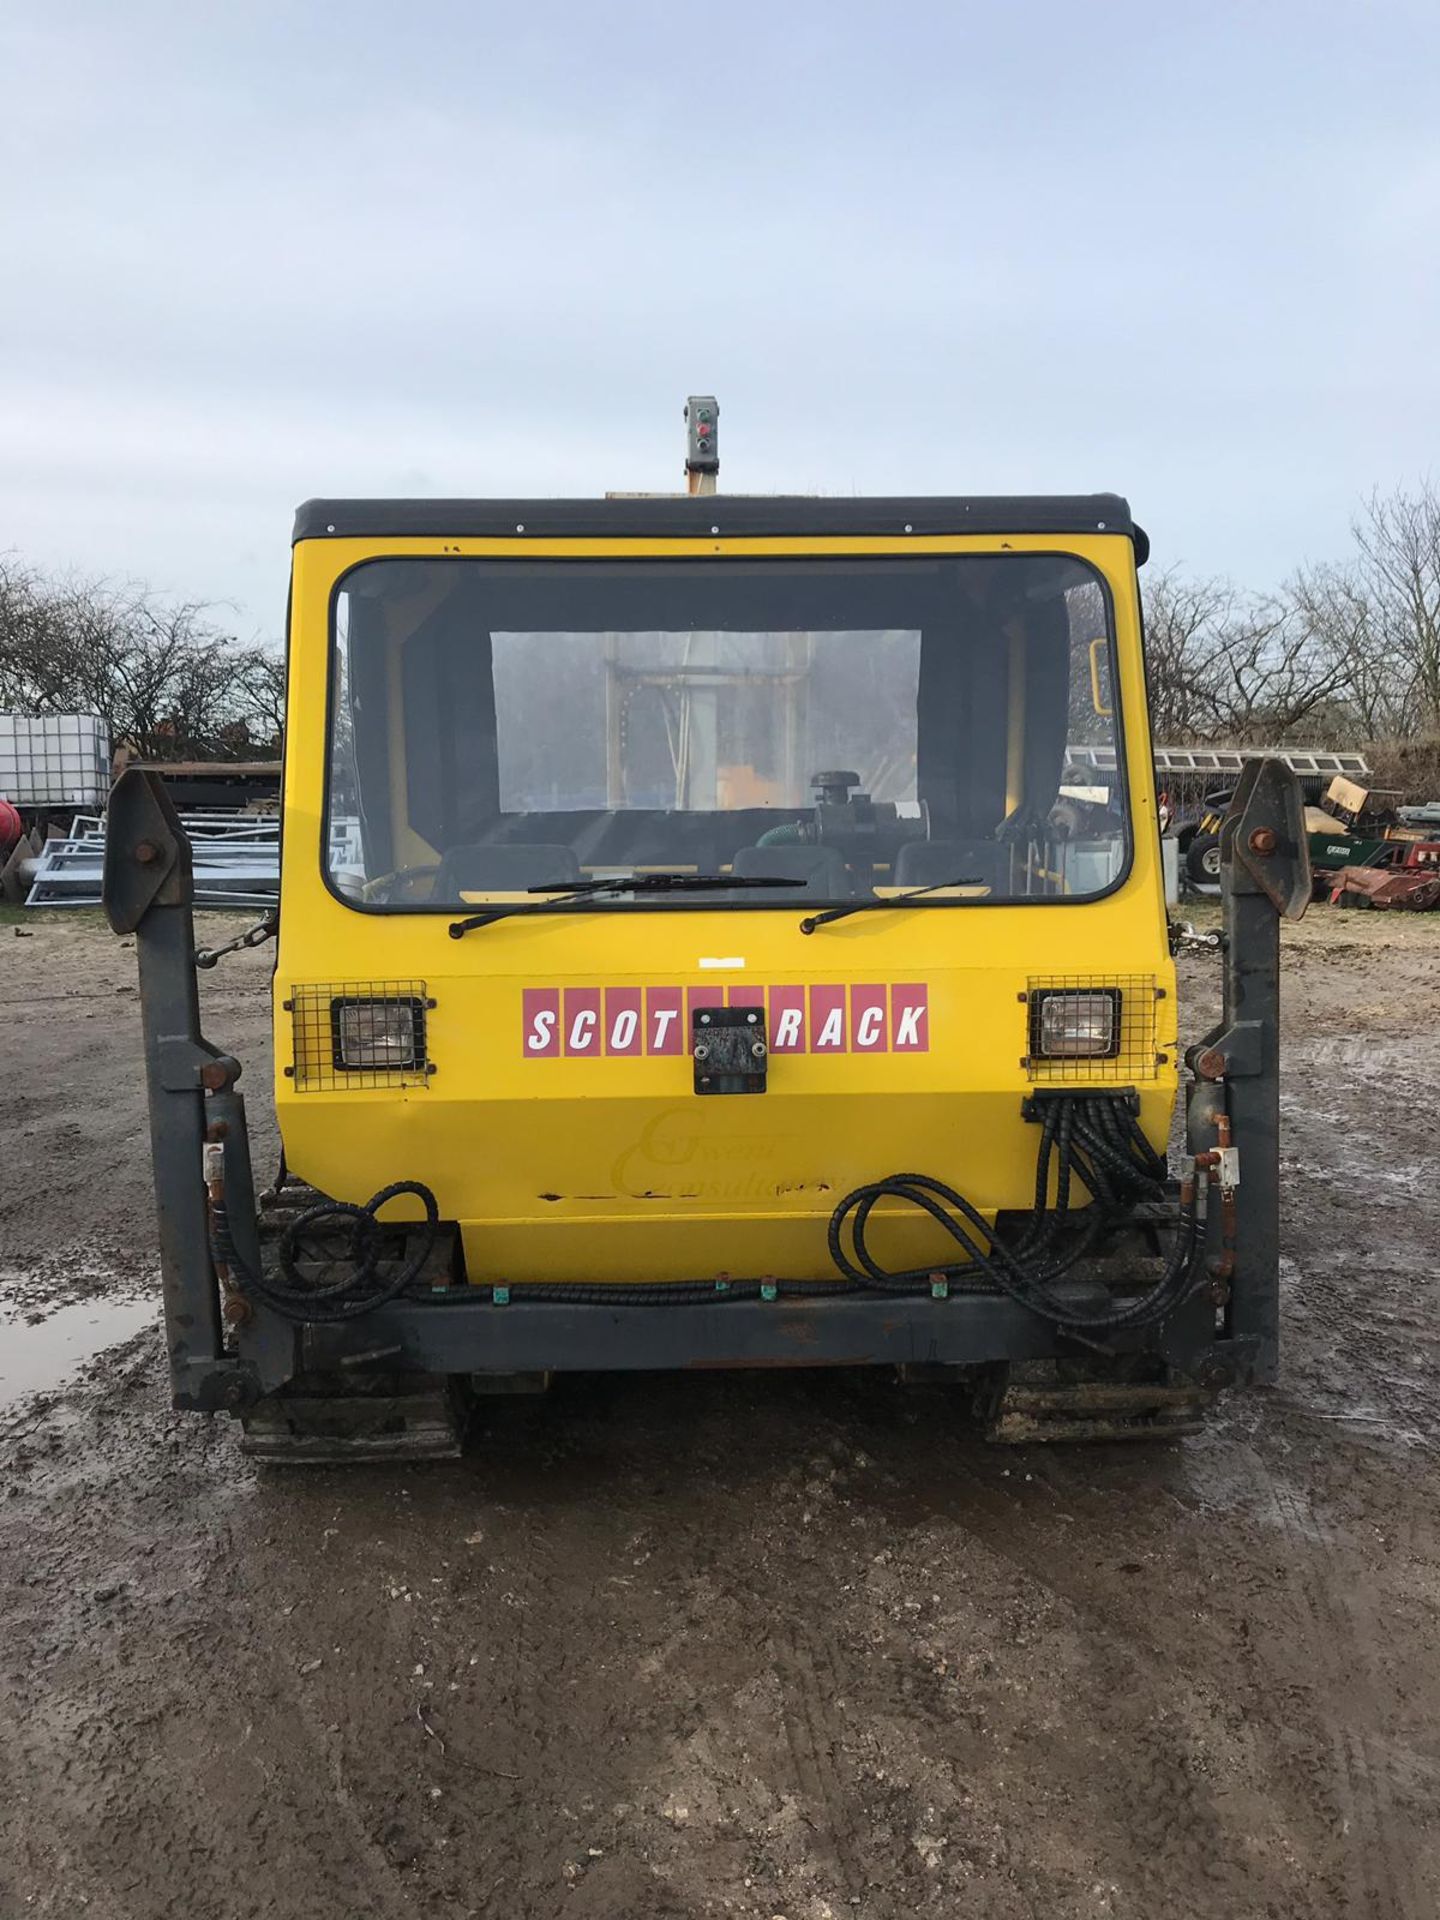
(764, 1645)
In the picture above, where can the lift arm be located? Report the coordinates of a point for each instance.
(1265, 876)
(148, 891)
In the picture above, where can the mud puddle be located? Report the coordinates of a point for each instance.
(36, 1357)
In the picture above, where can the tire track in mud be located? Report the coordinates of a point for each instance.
(1339, 1630)
(1000, 1505)
(326, 1782)
(810, 1684)
(1377, 1835)
(479, 1757)
(1185, 1829)
(1163, 1795)
(144, 1765)
(1148, 1704)
(1377, 1845)
(340, 1850)
(526, 1697)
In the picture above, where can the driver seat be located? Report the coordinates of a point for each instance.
(815, 870)
(508, 868)
(930, 863)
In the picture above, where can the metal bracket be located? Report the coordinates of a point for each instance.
(1264, 873)
(729, 1048)
(1185, 939)
(147, 855)
(1263, 841)
(148, 891)
(214, 1386)
(1232, 1362)
(1235, 1052)
(183, 1060)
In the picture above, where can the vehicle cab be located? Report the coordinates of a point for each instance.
(599, 814)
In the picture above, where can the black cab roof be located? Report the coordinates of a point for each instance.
(735, 514)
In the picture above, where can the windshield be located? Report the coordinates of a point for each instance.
(851, 728)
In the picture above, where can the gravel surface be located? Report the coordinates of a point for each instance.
(763, 1645)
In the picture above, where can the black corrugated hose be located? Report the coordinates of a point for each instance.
(1092, 1138)
(359, 1288)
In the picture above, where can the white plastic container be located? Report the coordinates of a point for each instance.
(54, 760)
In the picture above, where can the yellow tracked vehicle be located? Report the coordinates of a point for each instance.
(703, 941)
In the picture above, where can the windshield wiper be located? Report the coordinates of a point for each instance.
(814, 920)
(565, 891)
(661, 883)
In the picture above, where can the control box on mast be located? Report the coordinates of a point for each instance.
(702, 443)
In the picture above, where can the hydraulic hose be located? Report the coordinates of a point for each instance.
(672, 1293)
(1092, 1138)
(359, 1289)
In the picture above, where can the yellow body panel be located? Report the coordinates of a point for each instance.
(609, 1167)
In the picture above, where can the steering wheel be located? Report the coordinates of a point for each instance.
(387, 883)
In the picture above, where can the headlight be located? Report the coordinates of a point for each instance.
(1075, 1026)
(377, 1033)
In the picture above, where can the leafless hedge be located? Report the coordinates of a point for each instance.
(1410, 767)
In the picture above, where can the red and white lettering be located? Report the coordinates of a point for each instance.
(622, 1021)
(787, 1019)
(582, 1020)
(540, 1022)
(867, 1016)
(662, 1020)
(627, 1022)
(910, 1015)
(827, 1019)
(543, 1037)
(830, 1037)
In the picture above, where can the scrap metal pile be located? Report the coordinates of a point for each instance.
(1366, 848)
(237, 861)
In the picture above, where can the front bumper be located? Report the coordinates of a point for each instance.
(455, 1332)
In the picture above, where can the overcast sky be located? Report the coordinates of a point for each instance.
(1188, 252)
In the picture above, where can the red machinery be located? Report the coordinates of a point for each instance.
(1406, 876)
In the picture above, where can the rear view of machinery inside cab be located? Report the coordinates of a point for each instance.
(717, 932)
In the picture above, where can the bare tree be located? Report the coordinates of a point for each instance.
(1184, 653)
(264, 674)
(1278, 680)
(1243, 668)
(1342, 619)
(36, 654)
(167, 679)
(1398, 572)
